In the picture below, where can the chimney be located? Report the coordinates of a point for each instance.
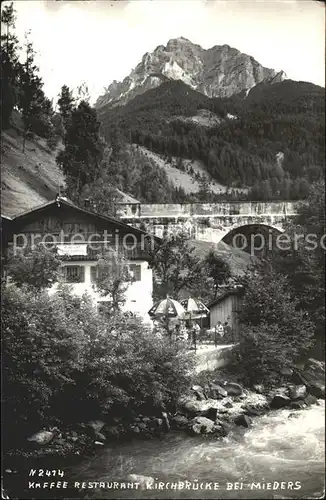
(62, 193)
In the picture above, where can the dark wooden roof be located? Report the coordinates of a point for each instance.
(232, 291)
(104, 218)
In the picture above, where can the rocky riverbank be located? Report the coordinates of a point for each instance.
(213, 409)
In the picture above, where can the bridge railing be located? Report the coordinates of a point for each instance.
(255, 208)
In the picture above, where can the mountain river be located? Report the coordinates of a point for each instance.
(281, 456)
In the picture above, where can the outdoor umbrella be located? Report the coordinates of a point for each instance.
(195, 308)
(167, 309)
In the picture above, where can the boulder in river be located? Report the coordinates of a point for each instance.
(280, 401)
(253, 411)
(194, 407)
(200, 395)
(312, 376)
(259, 388)
(203, 425)
(179, 422)
(298, 404)
(233, 389)
(220, 391)
(286, 371)
(44, 437)
(317, 389)
(111, 431)
(97, 425)
(199, 392)
(196, 388)
(211, 413)
(298, 392)
(310, 400)
(242, 420)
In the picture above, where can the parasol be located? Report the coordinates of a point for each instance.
(167, 308)
(195, 308)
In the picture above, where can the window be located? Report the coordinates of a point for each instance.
(93, 274)
(135, 270)
(74, 274)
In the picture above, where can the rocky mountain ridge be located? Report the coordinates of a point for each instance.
(220, 71)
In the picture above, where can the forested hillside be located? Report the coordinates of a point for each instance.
(272, 139)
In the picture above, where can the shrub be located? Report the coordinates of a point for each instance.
(275, 332)
(64, 363)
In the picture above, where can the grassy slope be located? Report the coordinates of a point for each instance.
(28, 179)
(180, 178)
(184, 179)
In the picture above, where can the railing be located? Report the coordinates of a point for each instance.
(91, 251)
(136, 211)
(137, 252)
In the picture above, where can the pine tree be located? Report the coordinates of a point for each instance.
(204, 193)
(82, 93)
(66, 105)
(35, 107)
(9, 64)
(80, 160)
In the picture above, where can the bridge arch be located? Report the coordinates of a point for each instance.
(254, 238)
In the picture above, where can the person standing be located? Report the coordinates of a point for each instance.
(219, 329)
(228, 331)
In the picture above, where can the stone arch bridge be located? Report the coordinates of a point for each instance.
(209, 222)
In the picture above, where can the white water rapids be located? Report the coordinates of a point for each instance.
(279, 449)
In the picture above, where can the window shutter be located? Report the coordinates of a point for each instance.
(81, 274)
(93, 274)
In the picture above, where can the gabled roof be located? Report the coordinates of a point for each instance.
(233, 291)
(59, 201)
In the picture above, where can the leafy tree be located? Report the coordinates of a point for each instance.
(176, 267)
(217, 269)
(112, 279)
(102, 195)
(33, 267)
(304, 261)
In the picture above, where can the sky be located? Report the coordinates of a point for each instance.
(99, 41)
